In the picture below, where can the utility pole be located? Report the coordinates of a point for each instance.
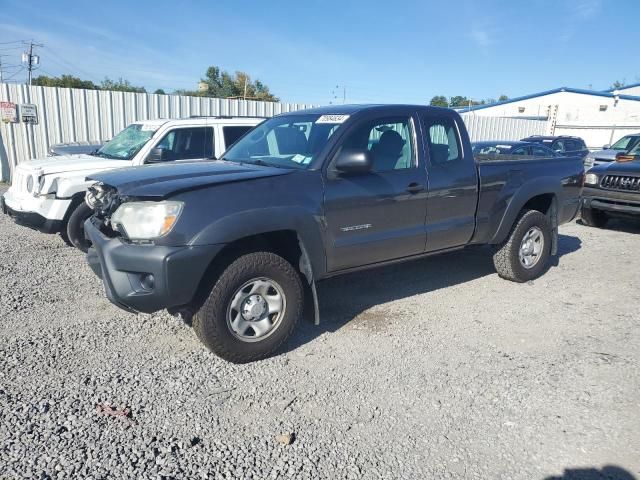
(336, 91)
(30, 59)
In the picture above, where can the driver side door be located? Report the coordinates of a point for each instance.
(378, 215)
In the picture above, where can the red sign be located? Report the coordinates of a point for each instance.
(8, 112)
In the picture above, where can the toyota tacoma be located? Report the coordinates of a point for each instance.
(237, 244)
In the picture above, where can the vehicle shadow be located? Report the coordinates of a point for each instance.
(608, 472)
(619, 224)
(343, 298)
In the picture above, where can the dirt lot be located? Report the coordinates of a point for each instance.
(432, 369)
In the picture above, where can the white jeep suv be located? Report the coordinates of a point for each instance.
(48, 194)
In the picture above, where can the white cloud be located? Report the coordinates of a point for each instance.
(587, 9)
(481, 37)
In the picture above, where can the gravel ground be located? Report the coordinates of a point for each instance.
(431, 369)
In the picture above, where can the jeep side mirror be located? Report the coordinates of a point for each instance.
(606, 146)
(157, 155)
(354, 160)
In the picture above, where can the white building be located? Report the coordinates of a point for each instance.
(597, 117)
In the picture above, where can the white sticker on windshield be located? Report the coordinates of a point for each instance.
(332, 119)
(298, 158)
(148, 128)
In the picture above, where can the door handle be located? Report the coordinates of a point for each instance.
(415, 187)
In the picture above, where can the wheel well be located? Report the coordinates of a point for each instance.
(76, 199)
(281, 242)
(542, 203)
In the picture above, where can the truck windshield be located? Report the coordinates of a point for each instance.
(624, 143)
(127, 143)
(291, 141)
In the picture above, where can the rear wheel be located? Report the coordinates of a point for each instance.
(593, 218)
(252, 308)
(75, 227)
(526, 252)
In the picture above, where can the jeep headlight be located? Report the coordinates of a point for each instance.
(35, 184)
(591, 179)
(146, 220)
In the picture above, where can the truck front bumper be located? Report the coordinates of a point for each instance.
(40, 213)
(147, 278)
(611, 201)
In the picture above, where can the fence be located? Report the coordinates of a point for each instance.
(76, 115)
(72, 115)
(503, 128)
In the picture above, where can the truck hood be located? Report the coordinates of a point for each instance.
(608, 155)
(618, 168)
(164, 180)
(70, 164)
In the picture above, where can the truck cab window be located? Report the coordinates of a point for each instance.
(188, 143)
(389, 141)
(442, 141)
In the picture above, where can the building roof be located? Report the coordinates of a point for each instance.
(550, 92)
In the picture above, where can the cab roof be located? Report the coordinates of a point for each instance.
(354, 108)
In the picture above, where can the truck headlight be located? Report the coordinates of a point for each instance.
(591, 179)
(146, 220)
(589, 161)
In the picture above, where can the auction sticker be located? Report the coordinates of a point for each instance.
(332, 119)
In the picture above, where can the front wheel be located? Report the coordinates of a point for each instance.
(525, 254)
(252, 308)
(593, 218)
(75, 227)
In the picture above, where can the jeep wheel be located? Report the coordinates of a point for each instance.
(593, 218)
(525, 254)
(252, 308)
(75, 227)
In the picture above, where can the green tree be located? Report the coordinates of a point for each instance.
(159, 91)
(459, 101)
(120, 85)
(67, 81)
(503, 98)
(617, 84)
(439, 101)
(222, 84)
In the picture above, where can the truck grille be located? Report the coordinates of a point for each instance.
(19, 183)
(624, 183)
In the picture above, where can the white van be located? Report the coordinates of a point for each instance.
(48, 194)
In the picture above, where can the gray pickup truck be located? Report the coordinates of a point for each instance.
(237, 244)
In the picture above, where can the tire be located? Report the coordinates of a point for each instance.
(593, 218)
(75, 227)
(213, 321)
(507, 258)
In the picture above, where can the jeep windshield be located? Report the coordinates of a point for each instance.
(289, 141)
(126, 144)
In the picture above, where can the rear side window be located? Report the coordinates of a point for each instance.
(233, 133)
(443, 142)
(571, 145)
(559, 146)
(188, 143)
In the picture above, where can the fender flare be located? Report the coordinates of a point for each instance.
(539, 186)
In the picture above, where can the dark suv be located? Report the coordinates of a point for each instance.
(563, 144)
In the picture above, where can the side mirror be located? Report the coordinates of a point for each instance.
(354, 161)
(606, 146)
(157, 155)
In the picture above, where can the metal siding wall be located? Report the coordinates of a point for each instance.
(71, 115)
(502, 128)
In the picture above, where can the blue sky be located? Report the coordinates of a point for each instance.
(402, 51)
